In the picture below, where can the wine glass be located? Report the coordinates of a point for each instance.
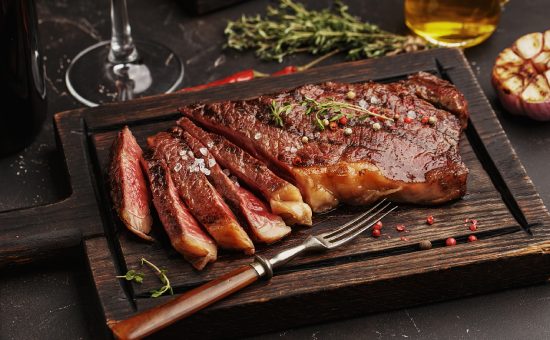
(122, 68)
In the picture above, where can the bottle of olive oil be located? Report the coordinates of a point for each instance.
(453, 23)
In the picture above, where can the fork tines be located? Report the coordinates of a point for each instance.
(359, 224)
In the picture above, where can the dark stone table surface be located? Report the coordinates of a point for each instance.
(54, 299)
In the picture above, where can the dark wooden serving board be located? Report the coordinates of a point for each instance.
(369, 275)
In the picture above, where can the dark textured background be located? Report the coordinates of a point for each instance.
(55, 299)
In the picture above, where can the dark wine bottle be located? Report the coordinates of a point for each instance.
(22, 83)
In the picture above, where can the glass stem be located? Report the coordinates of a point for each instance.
(122, 48)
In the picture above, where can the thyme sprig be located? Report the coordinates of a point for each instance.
(290, 28)
(336, 108)
(132, 275)
(278, 109)
(161, 273)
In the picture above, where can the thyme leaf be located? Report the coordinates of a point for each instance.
(290, 28)
(132, 275)
(277, 110)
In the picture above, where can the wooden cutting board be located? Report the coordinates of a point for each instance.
(369, 275)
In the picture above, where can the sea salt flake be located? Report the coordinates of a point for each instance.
(203, 151)
(257, 135)
(363, 104)
(210, 144)
(205, 171)
(184, 157)
(226, 172)
(190, 153)
(182, 152)
(211, 162)
(293, 149)
(177, 167)
(374, 100)
(411, 114)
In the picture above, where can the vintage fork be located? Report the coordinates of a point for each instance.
(152, 320)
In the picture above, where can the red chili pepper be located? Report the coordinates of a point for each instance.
(234, 78)
(286, 70)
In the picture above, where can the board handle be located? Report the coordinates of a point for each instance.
(27, 235)
(155, 319)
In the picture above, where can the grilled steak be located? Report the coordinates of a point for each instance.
(128, 188)
(284, 198)
(392, 143)
(205, 203)
(184, 232)
(263, 226)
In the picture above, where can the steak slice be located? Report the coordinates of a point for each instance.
(284, 198)
(204, 202)
(402, 158)
(184, 232)
(263, 226)
(128, 188)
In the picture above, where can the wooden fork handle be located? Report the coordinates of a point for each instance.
(156, 318)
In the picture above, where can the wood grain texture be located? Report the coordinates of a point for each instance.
(370, 274)
(38, 232)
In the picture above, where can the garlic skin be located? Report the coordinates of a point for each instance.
(521, 76)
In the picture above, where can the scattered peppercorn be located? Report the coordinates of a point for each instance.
(400, 227)
(424, 120)
(472, 227)
(376, 233)
(450, 242)
(333, 126)
(425, 245)
(407, 120)
(350, 94)
(305, 139)
(430, 220)
(348, 131)
(376, 126)
(432, 120)
(326, 122)
(343, 120)
(472, 238)
(378, 225)
(396, 116)
(297, 160)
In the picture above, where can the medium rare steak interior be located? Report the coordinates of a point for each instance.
(244, 170)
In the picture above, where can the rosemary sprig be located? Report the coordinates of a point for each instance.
(132, 275)
(337, 108)
(161, 273)
(291, 28)
(277, 110)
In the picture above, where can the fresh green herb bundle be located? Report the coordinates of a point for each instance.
(291, 28)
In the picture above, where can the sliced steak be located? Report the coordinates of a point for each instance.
(440, 93)
(204, 202)
(403, 158)
(184, 232)
(263, 226)
(284, 198)
(129, 191)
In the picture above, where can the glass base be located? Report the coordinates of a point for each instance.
(93, 80)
